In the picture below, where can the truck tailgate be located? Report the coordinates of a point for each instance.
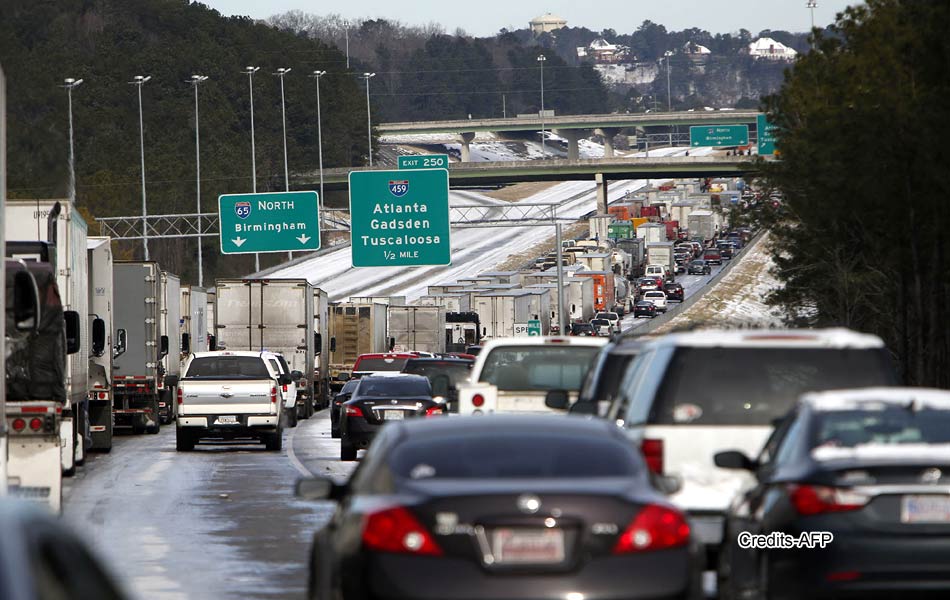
(218, 397)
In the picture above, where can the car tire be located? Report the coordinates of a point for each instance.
(347, 450)
(335, 432)
(291, 417)
(274, 442)
(184, 440)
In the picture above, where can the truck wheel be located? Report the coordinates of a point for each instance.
(275, 441)
(184, 440)
(347, 450)
(157, 420)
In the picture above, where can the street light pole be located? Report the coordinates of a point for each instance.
(346, 33)
(195, 81)
(283, 117)
(249, 71)
(138, 81)
(70, 84)
(669, 96)
(316, 76)
(812, 5)
(541, 59)
(369, 123)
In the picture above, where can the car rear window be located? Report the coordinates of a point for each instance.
(228, 367)
(538, 368)
(394, 386)
(836, 432)
(457, 372)
(380, 364)
(527, 455)
(754, 386)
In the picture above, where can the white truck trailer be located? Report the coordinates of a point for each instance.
(499, 312)
(194, 321)
(354, 329)
(101, 301)
(416, 328)
(169, 328)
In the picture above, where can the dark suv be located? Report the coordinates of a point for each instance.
(444, 374)
(673, 291)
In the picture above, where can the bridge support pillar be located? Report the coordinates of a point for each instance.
(572, 136)
(466, 139)
(601, 193)
(608, 134)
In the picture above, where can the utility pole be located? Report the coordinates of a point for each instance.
(139, 81)
(316, 76)
(71, 84)
(195, 80)
(249, 71)
(283, 117)
(369, 122)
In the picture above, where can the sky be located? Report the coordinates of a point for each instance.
(486, 17)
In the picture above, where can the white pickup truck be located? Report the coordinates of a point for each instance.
(515, 374)
(231, 395)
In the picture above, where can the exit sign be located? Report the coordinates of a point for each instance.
(719, 135)
(425, 161)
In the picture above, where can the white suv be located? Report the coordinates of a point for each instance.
(614, 319)
(658, 299)
(688, 396)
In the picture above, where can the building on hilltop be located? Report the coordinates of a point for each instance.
(546, 23)
(601, 51)
(693, 49)
(769, 49)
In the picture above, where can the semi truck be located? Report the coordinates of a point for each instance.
(662, 254)
(702, 225)
(500, 312)
(101, 302)
(194, 321)
(354, 329)
(416, 328)
(28, 224)
(321, 367)
(169, 327)
(273, 315)
(604, 292)
(636, 249)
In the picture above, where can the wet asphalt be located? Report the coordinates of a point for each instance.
(218, 522)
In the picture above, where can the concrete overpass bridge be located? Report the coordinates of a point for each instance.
(570, 127)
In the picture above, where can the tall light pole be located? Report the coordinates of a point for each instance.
(70, 84)
(249, 71)
(138, 81)
(283, 116)
(369, 122)
(316, 76)
(812, 5)
(195, 81)
(669, 96)
(346, 34)
(541, 59)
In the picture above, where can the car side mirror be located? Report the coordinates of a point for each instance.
(319, 488)
(734, 459)
(284, 379)
(186, 343)
(98, 337)
(121, 341)
(583, 408)
(296, 375)
(557, 399)
(163, 346)
(333, 344)
(26, 302)
(440, 386)
(73, 339)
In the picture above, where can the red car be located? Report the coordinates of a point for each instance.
(712, 256)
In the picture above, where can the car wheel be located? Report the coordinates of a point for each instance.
(184, 440)
(335, 432)
(347, 450)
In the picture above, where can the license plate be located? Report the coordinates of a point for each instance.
(528, 546)
(925, 509)
(393, 415)
(230, 420)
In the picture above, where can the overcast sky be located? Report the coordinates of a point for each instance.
(486, 17)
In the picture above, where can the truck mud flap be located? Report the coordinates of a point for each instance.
(100, 426)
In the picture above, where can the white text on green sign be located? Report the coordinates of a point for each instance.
(424, 161)
(400, 218)
(719, 135)
(765, 132)
(271, 222)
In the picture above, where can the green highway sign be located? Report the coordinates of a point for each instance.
(400, 218)
(424, 161)
(271, 222)
(765, 134)
(534, 327)
(719, 135)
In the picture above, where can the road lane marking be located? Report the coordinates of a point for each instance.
(293, 456)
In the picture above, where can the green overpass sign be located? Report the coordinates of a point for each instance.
(400, 218)
(719, 135)
(424, 161)
(765, 132)
(270, 222)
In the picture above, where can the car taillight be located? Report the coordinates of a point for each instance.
(654, 528)
(653, 453)
(273, 394)
(36, 424)
(181, 397)
(19, 424)
(434, 411)
(285, 388)
(354, 411)
(397, 530)
(478, 400)
(817, 499)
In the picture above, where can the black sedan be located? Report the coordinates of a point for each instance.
(379, 399)
(644, 308)
(851, 500)
(698, 267)
(502, 507)
(335, 406)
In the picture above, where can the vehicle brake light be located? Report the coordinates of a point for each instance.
(478, 400)
(397, 530)
(817, 499)
(434, 411)
(654, 528)
(36, 424)
(653, 453)
(354, 411)
(180, 397)
(273, 394)
(285, 388)
(19, 424)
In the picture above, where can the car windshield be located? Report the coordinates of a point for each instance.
(698, 263)
(527, 455)
(457, 371)
(393, 386)
(754, 386)
(599, 322)
(843, 433)
(381, 364)
(228, 367)
(538, 368)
